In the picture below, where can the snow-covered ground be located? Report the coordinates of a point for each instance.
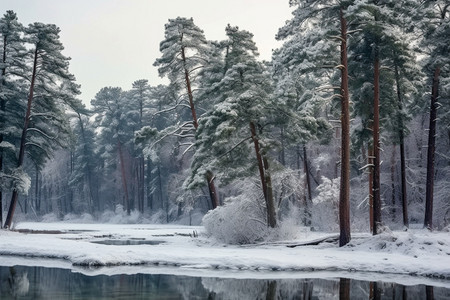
(176, 249)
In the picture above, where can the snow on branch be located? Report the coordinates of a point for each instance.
(188, 148)
(235, 146)
(42, 133)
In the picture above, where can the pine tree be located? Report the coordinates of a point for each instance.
(322, 20)
(301, 106)
(379, 25)
(140, 95)
(12, 56)
(84, 175)
(160, 143)
(437, 33)
(241, 114)
(44, 126)
(117, 118)
(184, 51)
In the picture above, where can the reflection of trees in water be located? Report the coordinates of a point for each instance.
(51, 283)
(271, 289)
(18, 282)
(307, 289)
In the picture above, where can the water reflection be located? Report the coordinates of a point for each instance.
(18, 283)
(46, 283)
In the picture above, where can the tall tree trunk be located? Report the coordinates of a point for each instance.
(148, 182)
(15, 193)
(402, 151)
(142, 182)
(88, 166)
(2, 121)
(135, 182)
(189, 89)
(308, 199)
(271, 212)
(393, 189)
(124, 177)
(36, 189)
(376, 145)
(370, 162)
(212, 189)
(160, 187)
(209, 176)
(267, 190)
(306, 168)
(344, 195)
(282, 152)
(428, 222)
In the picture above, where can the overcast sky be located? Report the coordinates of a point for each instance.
(115, 42)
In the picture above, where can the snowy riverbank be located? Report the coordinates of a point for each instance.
(177, 249)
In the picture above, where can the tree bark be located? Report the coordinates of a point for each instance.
(124, 178)
(36, 189)
(271, 212)
(402, 152)
(376, 145)
(148, 182)
(282, 152)
(142, 181)
(308, 199)
(2, 121)
(344, 195)
(189, 89)
(393, 189)
(15, 193)
(428, 222)
(265, 179)
(370, 162)
(161, 196)
(212, 189)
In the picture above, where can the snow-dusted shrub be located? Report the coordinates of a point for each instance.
(239, 221)
(243, 219)
(158, 217)
(326, 204)
(289, 226)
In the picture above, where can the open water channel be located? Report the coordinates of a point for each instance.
(28, 282)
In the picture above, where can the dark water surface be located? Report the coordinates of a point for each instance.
(20, 282)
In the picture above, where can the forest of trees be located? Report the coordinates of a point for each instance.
(348, 126)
